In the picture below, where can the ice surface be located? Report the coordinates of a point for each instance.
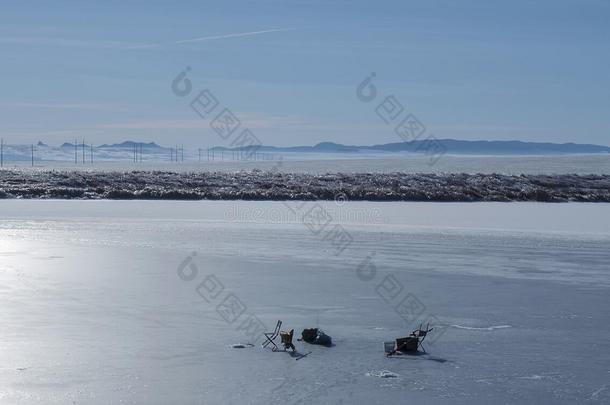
(490, 328)
(94, 309)
(382, 374)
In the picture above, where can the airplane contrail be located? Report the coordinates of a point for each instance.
(240, 34)
(212, 37)
(71, 42)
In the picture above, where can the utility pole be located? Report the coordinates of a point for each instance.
(182, 152)
(75, 152)
(83, 151)
(199, 150)
(91, 153)
(32, 155)
(2, 152)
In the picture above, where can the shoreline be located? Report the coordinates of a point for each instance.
(257, 185)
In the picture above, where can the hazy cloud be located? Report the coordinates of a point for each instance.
(84, 43)
(60, 106)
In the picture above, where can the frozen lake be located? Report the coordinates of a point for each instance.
(103, 302)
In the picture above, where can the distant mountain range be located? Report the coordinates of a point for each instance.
(131, 144)
(122, 145)
(450, 145)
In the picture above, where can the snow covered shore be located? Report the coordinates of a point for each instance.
(269, 185)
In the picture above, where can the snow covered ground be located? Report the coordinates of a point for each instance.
(103, 302)
(350, 163)
(259, 185)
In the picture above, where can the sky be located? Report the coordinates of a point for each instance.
(289, 71)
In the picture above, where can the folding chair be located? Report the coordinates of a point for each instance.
(421, 334)
(271, 336)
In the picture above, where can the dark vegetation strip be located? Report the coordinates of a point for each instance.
(259, 185)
